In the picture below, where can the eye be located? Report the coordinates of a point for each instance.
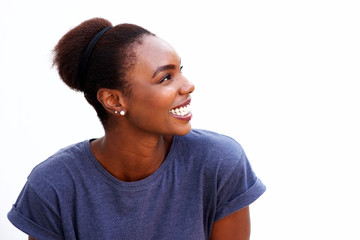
(181, 68)
(165, 78)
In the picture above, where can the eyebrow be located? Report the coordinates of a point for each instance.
(163, 68)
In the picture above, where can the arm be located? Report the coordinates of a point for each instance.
(233, 227)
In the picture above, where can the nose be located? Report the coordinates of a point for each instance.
(186, 87)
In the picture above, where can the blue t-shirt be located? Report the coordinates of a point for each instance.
(205, 177)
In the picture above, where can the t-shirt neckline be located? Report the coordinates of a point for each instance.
(136, 185)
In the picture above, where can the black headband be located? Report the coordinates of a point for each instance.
(85, 58)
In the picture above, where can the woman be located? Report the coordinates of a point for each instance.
(150, 176)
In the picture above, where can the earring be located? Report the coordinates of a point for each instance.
(122, 112)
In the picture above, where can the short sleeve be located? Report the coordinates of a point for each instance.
(238, 186)
(31, 215)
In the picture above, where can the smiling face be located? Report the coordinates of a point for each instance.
(160, 94)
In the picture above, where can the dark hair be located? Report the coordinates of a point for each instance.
(108, 64)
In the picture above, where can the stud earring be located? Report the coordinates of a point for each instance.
(122, 112)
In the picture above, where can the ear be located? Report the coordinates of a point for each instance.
(111, 99)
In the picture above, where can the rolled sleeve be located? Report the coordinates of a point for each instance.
(32, 216)
(241, 201)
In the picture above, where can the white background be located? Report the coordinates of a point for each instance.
(281, 77)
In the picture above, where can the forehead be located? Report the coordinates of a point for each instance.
(154, 52)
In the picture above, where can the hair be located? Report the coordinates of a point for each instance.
(108, 64)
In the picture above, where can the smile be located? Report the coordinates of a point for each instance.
(181, 111)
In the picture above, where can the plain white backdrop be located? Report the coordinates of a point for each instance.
(281, 77)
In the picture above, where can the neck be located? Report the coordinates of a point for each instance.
(131, 157)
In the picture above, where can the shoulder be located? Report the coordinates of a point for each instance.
(216, 153)
(210, 138)
(59, 168)
(208, 142)
(63, 157)
(224, 168)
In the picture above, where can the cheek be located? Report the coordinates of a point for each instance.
(158, 99)
(165, 97)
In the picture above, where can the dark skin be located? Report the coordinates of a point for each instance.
(157, 86)
(144, 144)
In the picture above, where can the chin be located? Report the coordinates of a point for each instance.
(183, 131)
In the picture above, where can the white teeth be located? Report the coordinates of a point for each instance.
(182, 111)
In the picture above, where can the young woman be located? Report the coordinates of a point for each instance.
(150, 176)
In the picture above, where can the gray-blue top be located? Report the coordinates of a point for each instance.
(205, 177)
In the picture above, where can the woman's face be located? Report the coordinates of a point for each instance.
(160, 94)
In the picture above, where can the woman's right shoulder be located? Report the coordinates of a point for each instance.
(59, 166)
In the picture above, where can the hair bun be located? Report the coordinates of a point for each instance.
(71, 47)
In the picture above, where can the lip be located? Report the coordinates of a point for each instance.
(182, 104)
(182, 118)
